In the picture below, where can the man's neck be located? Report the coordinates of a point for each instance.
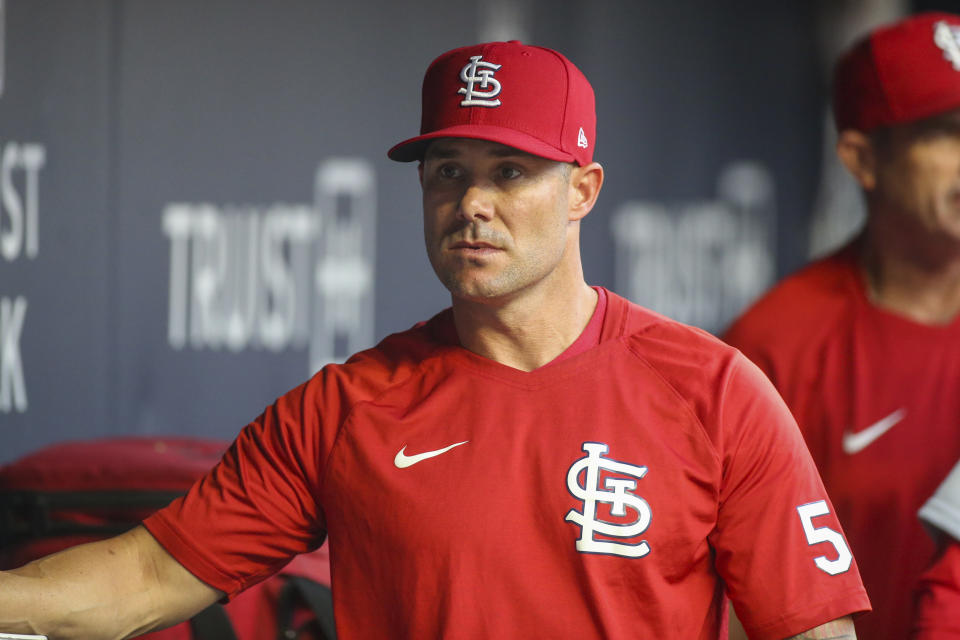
(922, 284)
(527, 331)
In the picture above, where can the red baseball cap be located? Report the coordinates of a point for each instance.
(526, 97)
(900, 73)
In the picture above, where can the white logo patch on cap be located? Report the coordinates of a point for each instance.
(582, 139)
(947, 37)
(479, 72)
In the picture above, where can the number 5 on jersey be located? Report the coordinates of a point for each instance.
(816, 535)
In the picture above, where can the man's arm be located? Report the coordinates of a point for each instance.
(110, 589)
(839, 629)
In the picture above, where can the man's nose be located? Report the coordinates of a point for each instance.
(477, 202)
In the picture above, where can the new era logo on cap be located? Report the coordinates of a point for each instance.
(526, 97)
(900, 73)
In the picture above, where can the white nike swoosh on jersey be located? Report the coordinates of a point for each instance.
(402, 461)
(857, 442)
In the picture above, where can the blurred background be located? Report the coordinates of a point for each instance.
(197, 211)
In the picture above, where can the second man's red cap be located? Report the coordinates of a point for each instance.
(899, 73)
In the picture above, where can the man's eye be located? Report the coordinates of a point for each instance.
(448, 171)
(510, 173)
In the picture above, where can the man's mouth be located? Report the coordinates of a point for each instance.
(473, 247)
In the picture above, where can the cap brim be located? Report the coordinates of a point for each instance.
(414, 148)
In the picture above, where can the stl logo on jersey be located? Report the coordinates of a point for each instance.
(479, 72)
(612, 513)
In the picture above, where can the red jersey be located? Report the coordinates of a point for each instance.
(875, 395)
(938, 597)
(618, 493)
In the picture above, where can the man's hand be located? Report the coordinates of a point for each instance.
(111, 589)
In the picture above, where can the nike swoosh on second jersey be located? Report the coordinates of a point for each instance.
(402, 461)
(857, 442)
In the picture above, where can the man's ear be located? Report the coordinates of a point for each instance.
(420, 171)
(859, 155)
(585, 183)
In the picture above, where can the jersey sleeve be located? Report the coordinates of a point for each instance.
(258, 507)
(779, 546)
(942, 510)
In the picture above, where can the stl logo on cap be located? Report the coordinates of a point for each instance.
(947, 37)
(489, 86)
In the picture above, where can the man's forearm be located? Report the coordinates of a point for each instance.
(839, 629)
(110, 589)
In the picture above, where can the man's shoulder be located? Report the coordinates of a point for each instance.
(641, 325)
(676, 350)
(396, 358)
(696, 367)
(807, 303)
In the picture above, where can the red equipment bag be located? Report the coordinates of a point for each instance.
(77, 492)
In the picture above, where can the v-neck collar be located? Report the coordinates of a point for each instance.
(612, 322)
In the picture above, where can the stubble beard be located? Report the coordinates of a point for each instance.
(473, 281)
(466, 283)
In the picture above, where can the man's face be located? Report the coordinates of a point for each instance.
(495, 218)
(918, 179)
